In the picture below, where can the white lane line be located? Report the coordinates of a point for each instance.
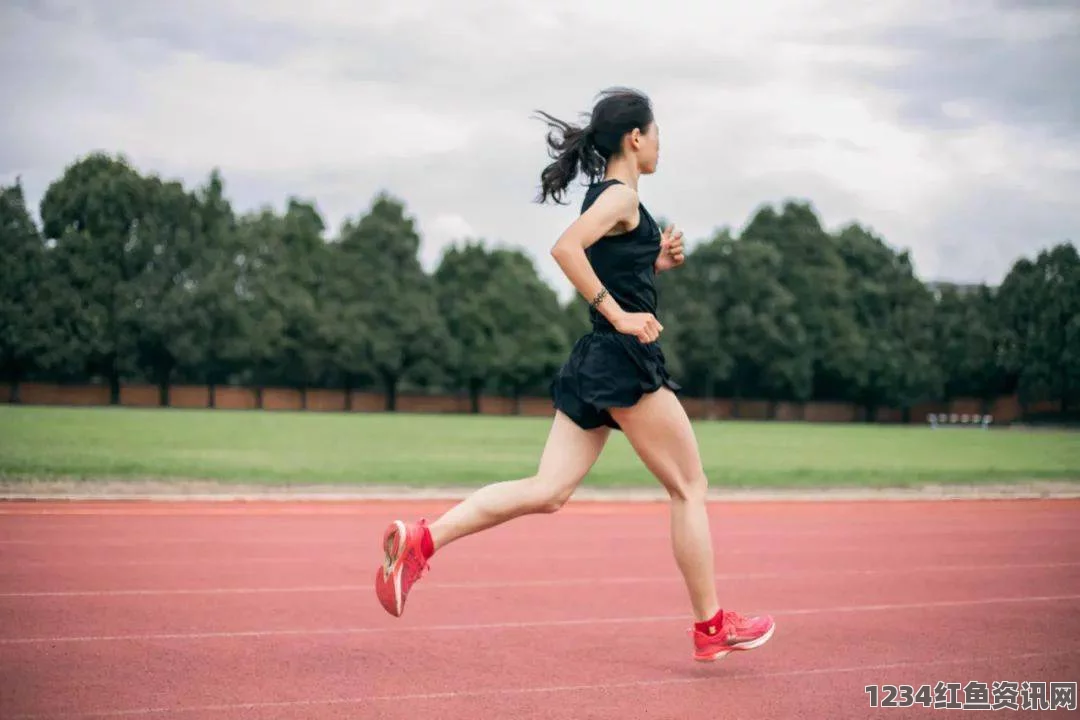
(557, 582)
(149, 541)
(523, 624)
(188, 591)
(569, 535)
(553, 689)
(206, 561)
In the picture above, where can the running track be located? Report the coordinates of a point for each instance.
(265, 610)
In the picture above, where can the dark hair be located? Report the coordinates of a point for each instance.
(587, 149)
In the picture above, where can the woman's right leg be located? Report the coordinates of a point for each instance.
(568, 455)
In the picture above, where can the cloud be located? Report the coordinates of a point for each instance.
(1015, 66)
(949, 129)
(443, 231)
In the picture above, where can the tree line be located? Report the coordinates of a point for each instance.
(132, 277)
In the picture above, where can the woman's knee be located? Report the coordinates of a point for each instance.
(687, 487)
(549, 495)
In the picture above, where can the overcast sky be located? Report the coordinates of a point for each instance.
(950, 128)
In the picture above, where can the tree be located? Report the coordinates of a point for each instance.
(24, 307)
(286, 299)
(216, 345)
(262, 289)
(759, 321)
(310, 313)
(966, 342)
(506, 323)
(346, 296)
(93, 214)
(1039, 304)
(692, 296)
(895, 316)
(157, 298)
(735, 323)
(379, 258)
(811, 269)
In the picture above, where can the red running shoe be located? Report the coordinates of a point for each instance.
(403, 565)
(735, 633)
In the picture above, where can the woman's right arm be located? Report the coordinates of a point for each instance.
(616, 206)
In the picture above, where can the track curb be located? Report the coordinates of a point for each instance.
(198, 491)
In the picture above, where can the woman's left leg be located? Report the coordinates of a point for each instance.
(660, 432)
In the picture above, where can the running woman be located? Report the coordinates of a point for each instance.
(614, 379)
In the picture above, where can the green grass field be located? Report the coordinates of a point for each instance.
(415, 450)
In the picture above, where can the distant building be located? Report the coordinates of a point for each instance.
(937, 286)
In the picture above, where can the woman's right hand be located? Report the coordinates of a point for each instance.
(644, 326)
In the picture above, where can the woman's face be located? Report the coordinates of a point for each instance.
(648, 148)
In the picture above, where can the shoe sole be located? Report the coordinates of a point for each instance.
(393, 540)
(742, 647)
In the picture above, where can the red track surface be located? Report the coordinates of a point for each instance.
(265, 610)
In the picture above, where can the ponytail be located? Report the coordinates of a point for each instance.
(575, 151)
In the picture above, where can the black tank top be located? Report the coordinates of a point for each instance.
(624, 262)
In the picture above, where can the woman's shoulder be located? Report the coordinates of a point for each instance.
(611, 183)
(622, 190)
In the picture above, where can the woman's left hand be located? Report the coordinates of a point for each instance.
(671, 250)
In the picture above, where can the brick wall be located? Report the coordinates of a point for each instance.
(1004, 409)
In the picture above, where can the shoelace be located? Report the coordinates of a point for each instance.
(735, 619)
